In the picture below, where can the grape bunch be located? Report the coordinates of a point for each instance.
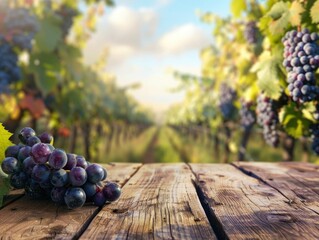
(301, 60)
(250, 32)
(267, 118)
(9, 69)
(67, 15)
(226, 101)
(21, 26)
(247, 115)
(45, 171)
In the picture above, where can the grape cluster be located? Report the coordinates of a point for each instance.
(9, 69)
(247, 115)
(226, 101)
(45, 171)
(22, 26)
(267, 118)
(250, 32)
(301, 61)
(67, 14)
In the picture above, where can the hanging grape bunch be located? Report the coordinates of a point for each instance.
(301, 62)
(226, 101)
(267, 118)
(247, 115)
(66, 178)
(67, 15)
(250, 32)
(20, 26)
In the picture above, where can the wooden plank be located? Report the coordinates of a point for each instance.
(246, 208)
(12, 196)
(299, 183)
(159, 202)
(42, 219)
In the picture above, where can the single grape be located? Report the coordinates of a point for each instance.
(40, 153)
(46, 138)
(58, 159)
(77, 176)
(59, 178)
(28, 165)
(41, 173)
(10, 165)
(71, 162)
(99, 199)
(24, 152)
(74, 197)
(33, 140)
(105, 174)
(90, 189)
(111, 192)
(81, 162)
(12, 151)
(95, 173)
(25, 133)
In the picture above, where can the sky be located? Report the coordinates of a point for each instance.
(147, 39)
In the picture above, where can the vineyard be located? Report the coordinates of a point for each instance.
(64, 120)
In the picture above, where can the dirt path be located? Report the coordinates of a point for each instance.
(149, 156)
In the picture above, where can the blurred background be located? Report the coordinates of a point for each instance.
(157, 81)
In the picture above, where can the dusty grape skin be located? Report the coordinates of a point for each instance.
(77, 176)
(33, 140)
(10, 165)
(90, 189)
(59, 178)
(95, 173)
(74, 197)
(58, 159)
(71, 162)
(40, 153)
(46, 138)
(26, 133)
(99, 199)
(12, 151)
(41, 173)
(111, 191)
(28, 165)
(81, 162)
(24, 152)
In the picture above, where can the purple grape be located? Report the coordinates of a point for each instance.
(46, 138)
(12, 151)
(71, 162)
(59, 178)
(24, 152)
(10, 165)
(95, 173)
(18, 180)
(41, 173)
(57, 194)
(99, 199)
(111, 192)
(34, 190)
(28, 165)
(105, 174)
(33, 140)
(77, 176)
(90, 189)
(40, 153)
(74, 197)
(26, 133)
(58, 159)
(81, 162)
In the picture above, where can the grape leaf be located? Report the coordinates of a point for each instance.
(4, 143)
(237, 7)
(280, 17)
(314, 12)
(296, 9)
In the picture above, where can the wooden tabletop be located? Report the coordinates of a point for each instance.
(182, 201)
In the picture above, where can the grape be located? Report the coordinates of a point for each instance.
(33, 140)
(59, 178)
(301, 53)
(18, 180)
(57, 194)
(26, 133)
(247, 116)
(40, 152)
(90, 189)
(57, 159)
(67, 14)
(74, 197)
(77, 176)
(24, 152)
(111, 192)
(12, 151)
(267, 118)
(10, 165)
(99, 199)
(81, 162)
(105, 174)
(46, 138)
(28, 165)
(41, 173)
(226, 101)
(95, 173)
(251, 32)
(71, 162)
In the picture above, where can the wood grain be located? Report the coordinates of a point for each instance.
(299, 183)
(159, 202)
(42, 219)
(246, 208)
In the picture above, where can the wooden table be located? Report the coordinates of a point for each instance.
(180, 201)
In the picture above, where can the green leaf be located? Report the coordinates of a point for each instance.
(49, 35)
(293, 121)
(296, 10)
(314, 12)
(4, 143)
(280, 17)
(237, 7)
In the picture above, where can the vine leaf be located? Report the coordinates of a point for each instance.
(314, 12)
(296, 10)
(4, 143)
(237, 7)
(293, 121)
